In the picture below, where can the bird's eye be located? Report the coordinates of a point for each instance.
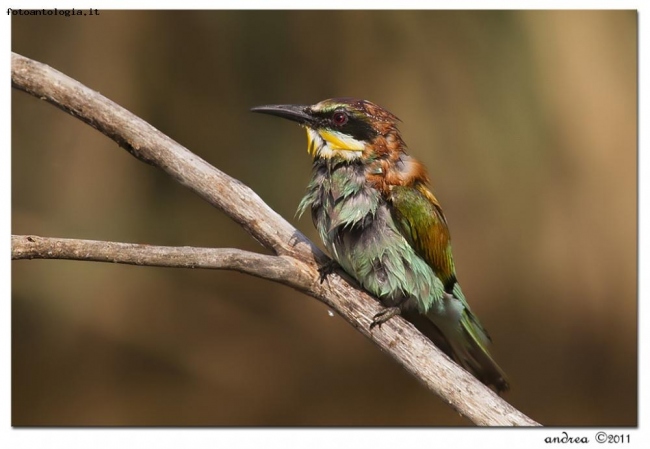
(339, 118)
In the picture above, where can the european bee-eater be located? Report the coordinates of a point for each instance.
(375, 213)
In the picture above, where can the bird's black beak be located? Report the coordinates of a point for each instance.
(297, 113)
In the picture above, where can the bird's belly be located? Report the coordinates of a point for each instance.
(375, 253)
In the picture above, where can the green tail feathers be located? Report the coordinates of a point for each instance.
(465, 340)
(471, 350)
(458, 333)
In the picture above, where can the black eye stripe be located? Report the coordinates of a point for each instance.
(359, 129)
(354, 126)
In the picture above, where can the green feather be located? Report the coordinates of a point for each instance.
(421, 221)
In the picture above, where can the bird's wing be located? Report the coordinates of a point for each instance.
(419, 218)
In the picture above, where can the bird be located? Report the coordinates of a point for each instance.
(374, 210)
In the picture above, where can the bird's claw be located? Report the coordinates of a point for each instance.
(385, 315)
(326, 269)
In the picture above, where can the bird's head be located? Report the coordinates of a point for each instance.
(343, 128)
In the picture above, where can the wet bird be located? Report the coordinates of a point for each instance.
(375, 213)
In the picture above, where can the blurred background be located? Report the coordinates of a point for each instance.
(527, 122)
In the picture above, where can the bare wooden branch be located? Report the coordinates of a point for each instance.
(300, 258)
(274, 268)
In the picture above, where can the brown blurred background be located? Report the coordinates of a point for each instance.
(526, 120)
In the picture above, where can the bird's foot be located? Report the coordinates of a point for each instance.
(326, 269)
(384, 315)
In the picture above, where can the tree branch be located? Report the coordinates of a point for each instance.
(296, 260)
(273, 268)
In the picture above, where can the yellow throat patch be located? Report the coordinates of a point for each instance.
(333, 140)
